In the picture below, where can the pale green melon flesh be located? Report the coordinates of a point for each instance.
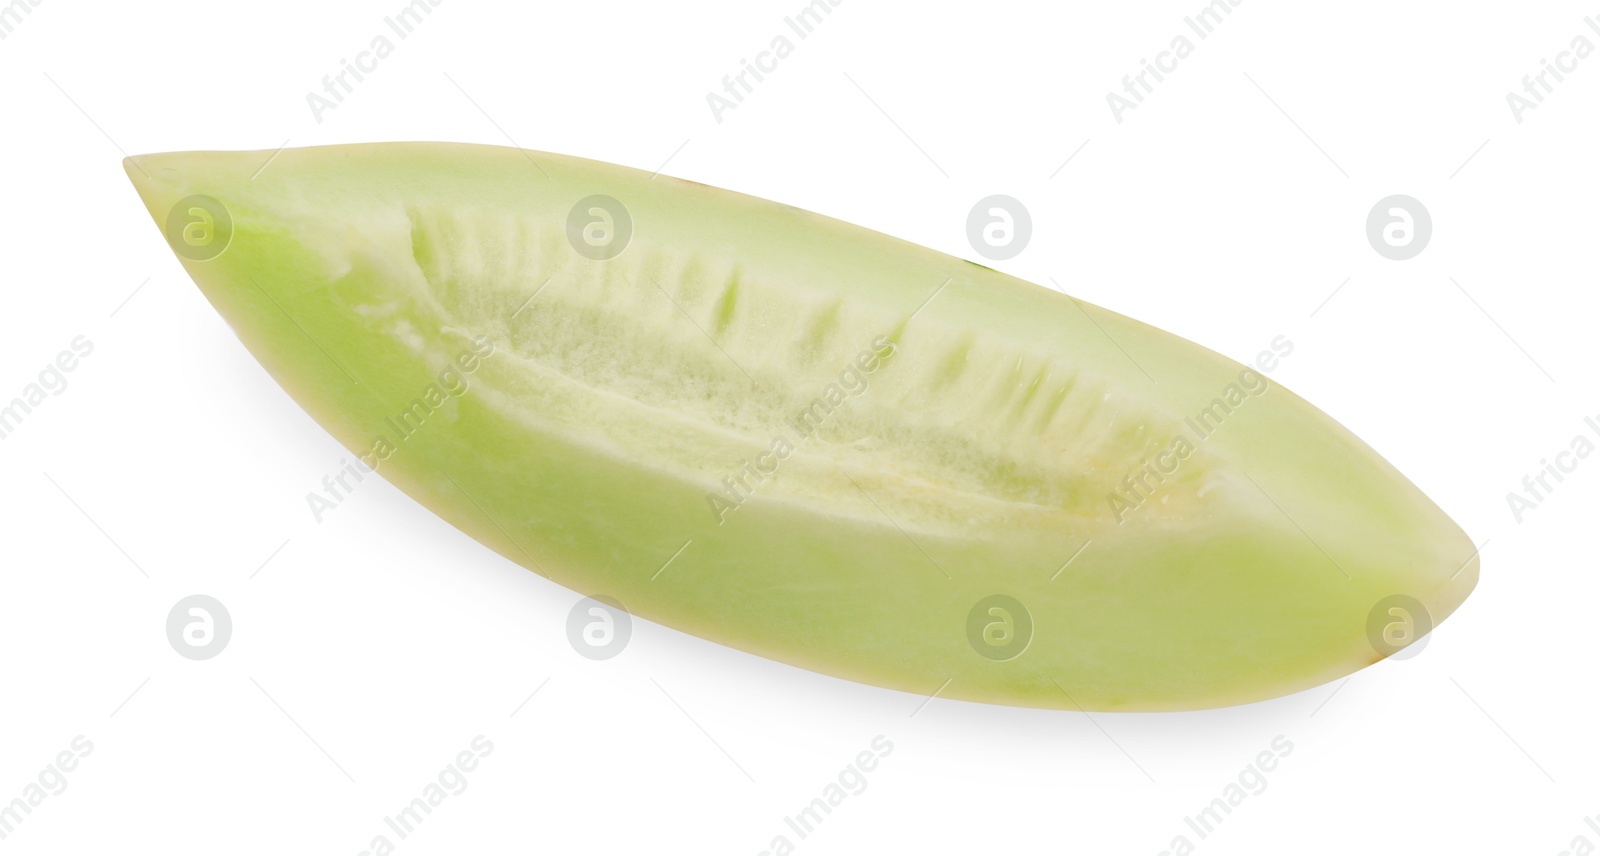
(974, 458)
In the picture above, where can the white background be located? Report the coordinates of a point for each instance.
(373, 647)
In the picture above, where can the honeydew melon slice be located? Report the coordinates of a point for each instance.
(808, 440)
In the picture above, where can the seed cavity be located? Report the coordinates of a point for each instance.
(693, 363)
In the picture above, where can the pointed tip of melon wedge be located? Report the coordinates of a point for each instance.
(155, 177)
(143, 182)
(162, 178)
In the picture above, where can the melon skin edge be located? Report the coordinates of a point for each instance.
(609, 401)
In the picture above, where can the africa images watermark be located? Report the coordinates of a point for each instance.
(51, 782)
(52, 381)
(739, 485)
(1142, 483)
(1583, 845)
(451, 781)
(738, 85)
(451, 383)
(338, 85)
(1251, 781)
(14, 13)
(1136, 86)
(1536, 86)
(851, 781)
(1536, 488)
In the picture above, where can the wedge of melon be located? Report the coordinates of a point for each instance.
(805, 439)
